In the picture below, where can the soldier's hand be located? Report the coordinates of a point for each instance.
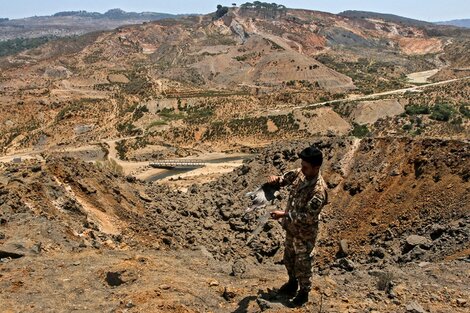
(278, 214)
(273, 179)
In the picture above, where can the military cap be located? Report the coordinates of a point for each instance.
(312, 155)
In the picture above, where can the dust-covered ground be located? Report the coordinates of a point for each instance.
(75, 237)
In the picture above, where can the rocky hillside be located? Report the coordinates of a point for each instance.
(201, 79)
(418, 187)
(394, 203)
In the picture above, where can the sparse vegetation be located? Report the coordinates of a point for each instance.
(121, 149)
(17, 45)
(245, 57)
(465, 110)
(265, 9)
(93, 57)
(359, 131)
(157, 123)
(128, 129)
(75, 107)
(139, 112)
(216, 39)
(199, 114)
(110, 165)
(441, 112)
(221, 11)
(368, 75)
(274, 45)
(138, 85)
(170, 115)
(415, 109)
(407, 127)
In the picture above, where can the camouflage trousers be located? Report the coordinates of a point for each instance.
(298, 258)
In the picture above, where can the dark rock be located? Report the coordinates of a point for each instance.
(395, 172)
(437, 231)
(36, 168)
(117, 278)
(96, 244)
(72, 206)
(114, 279)
(415, 254)
(193, 189)
(461, 302)
(167, 241)
(130, 179)
(388, 235)
(228, 294)
(346, 264)
(378, 252)
(265, 305)
(86, 187)
(12, 255)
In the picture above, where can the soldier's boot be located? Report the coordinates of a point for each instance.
(301, 298)
(289, 288)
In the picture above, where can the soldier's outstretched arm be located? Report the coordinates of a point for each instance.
(284, 180)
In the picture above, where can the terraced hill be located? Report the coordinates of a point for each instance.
(193, 80)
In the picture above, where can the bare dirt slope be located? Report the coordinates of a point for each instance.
(177, 76)
(400, 205)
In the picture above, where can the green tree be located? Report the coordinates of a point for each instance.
(441, 112)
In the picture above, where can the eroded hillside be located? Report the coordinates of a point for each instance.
(65, 213)
(81, 119)
(198, 80)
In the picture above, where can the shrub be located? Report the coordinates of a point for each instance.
(199, 115)
(359, 131)
(157, 123)
(169, 115)
(137, 86)
(121, 149)
(465, 110)
(127, 128)
(441, 112)
(13, 46)
(221, 11)
(415, 109)
(407, 127)
(139, 112)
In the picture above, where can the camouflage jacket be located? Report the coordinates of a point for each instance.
(306, 199)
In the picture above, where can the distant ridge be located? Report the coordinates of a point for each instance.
(117, 14)
(459, 23)
(386, 17)
(71, 23)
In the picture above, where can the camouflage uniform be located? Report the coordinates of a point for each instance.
(305, 202)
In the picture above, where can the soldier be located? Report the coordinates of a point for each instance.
(300, 220)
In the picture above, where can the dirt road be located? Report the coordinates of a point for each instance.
(386, 93)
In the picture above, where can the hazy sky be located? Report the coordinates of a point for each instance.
(428, 10)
